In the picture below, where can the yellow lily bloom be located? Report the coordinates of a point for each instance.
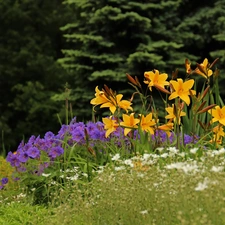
(147, 123)
(154, 78)
(218, 134)
(205, 67)
(124, 104)
(100, 97)
(129, 123)
(182, 90)
(218, 130)
(110, 125)
(172, 116)
(112, 104)
(218, 114)
(167, 128)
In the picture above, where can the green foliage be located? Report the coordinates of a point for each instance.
(30, 43)
(106, 41)
(22, 213)
(202, 33)
(135, 191)
(5, 169)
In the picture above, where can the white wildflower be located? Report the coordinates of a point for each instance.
(164, 155)
(54, 182)
(154, 156)
(116, 157)
(141, 175)
(21, 195)
(221, 151)
(45, 174)
(202, 185)
(146, 156)
(218, 152)
(100, 169)
(193, 150)
(186, 167)
(75, 177)
(217, 169)
(128, 162)
(144, 212)
(173, 150)
(156, 184)
(182, 154)
(160, 149)
(85, 174)
(118, 168)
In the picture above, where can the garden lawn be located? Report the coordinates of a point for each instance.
(165, 188)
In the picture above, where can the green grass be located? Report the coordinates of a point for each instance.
(169, 189)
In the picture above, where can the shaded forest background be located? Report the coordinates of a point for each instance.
(53, 50)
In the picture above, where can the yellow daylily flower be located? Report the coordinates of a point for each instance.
(216, 139)
(218, 134)
(205, 67)
(218, 130)
(167, 128)
(154, 78)
(100, 97)
(182, 90)
(147, 123)
(172, 115)
(110, 125)
(117, 102)
(218, 114)
(124, 104)
(129, 123)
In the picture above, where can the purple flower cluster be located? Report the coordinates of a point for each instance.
(74, 133)
(79, 132)
(52, 145)
(3, 182)
(33, 149)
(161, 137)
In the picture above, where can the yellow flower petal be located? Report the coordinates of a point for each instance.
(110, 125)
(185, 98)
(182, 90)
(109, 105)
(154, 78)
(147, 123)
(173, 95)
(129, 122)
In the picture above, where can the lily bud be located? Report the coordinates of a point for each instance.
(205, 92)
(136, 79)
(188, 66)
(161, 89)
(131, 79)
(214, 62)
(201, 106)
(174, 74)
(206, 108)
(202, 69)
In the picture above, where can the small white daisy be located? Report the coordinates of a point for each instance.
(116, 157)
(202, 185)
(144, 212)
(193, 150)
(217, 169)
